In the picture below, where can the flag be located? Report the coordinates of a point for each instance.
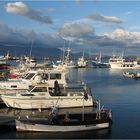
(95, 103)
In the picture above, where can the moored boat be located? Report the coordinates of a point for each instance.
(33, 77)
(44, 97)
(66, 63)
(128, 74)
(97, 63)
(118, 62)
(68, 122)
(81, 63)
(137, 75)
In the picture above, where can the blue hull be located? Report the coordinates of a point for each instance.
(100, 65)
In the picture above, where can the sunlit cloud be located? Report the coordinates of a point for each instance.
(102, 18)
(75, 29)
(26, 11)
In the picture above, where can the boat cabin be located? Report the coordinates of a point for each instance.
(36, 77)
(45, 90)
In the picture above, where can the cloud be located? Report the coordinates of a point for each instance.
(26, 11)
(24, 37)
(76, 30)
(102, 18)
(84, 37)
(128, 37)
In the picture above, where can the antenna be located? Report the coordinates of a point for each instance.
(31, 48)
(100, 57)
(83, 53)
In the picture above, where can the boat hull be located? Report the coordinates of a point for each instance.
(21, 126)
(44, 103)
(100, 65)
(114, 66)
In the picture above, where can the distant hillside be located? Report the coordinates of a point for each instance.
(40, 52)
(36, 51)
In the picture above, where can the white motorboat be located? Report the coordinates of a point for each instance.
(68, 122)
(42, 96)
(33, 77)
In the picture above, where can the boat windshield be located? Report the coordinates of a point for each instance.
(39, 89)
(29, 76)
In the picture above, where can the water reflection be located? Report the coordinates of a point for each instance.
(104, 133)
(116, 72)
(119, 93)
(9, 112)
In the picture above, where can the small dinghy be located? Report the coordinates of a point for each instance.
(128, 74)
(137, 75)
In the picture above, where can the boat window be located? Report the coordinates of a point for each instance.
(27, 94)
(29, 76)
(55, 76)
(40, 89)
(14, 86)
(45, 76)
(24, 76)
(113, 60)
(30, 86)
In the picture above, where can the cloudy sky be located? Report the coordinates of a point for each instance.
(94, 26)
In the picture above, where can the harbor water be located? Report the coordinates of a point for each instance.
(120, 94)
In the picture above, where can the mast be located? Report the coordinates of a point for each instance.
(99, 108)
(83, 53)
(31, 48)
(100, 57)
(83, 112)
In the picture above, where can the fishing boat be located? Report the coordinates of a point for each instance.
(3, 63)
(68, 122)
(42, 96)
(81, 62)
(66, 63)
(97, 63)
(29, 63)
(2, 58)
(118, 62)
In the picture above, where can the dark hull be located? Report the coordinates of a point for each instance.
(64, 123)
